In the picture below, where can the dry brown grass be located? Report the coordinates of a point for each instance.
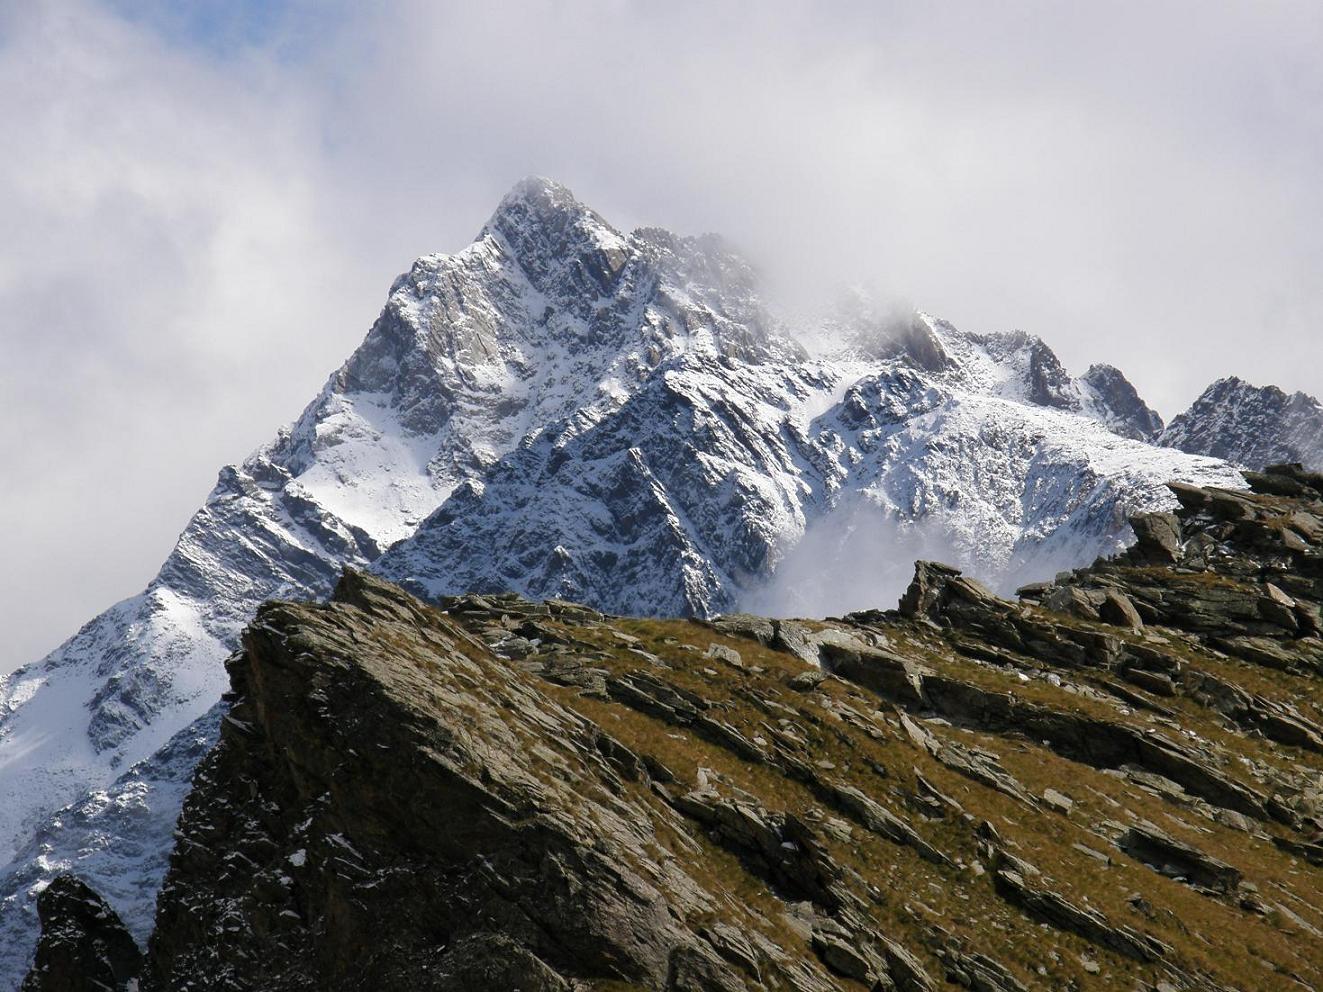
(906, 895)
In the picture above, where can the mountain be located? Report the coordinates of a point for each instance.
(973, 443)
(561, 409)
(1087, 788)
(1250, 425)
(1013, 365)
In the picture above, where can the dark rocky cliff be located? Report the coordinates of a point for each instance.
(1114, 782)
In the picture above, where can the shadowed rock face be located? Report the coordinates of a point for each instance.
(1130, 415)
(1086, 788)
(84, 946)
(388, 761)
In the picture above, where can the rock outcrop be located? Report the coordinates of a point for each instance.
(84, 946)
(1088, 787)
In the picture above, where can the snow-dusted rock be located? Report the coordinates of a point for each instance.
(1250, 425)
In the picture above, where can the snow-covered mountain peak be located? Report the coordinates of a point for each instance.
(562, 409)
(564, 248)
(1012, 365)
(1250, 425)
(916, 339)
(549, 279)
(540, 209)
(1113, 399)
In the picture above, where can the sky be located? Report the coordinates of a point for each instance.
(203, 203)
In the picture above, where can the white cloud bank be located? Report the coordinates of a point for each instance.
(193, 236)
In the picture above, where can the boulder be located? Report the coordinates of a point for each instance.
(926, 590)
(1074, 601)
(1158, 536)
(1058, 801)
(724, 654)
(937, 589)
(1118, 610)
(759, 629)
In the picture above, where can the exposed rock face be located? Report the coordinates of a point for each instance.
(1128, 414)
(423, 775)
(84, 946)
(501, 794)
(1254, 426)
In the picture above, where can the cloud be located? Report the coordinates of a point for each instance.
(170, 291)
(202, 214)
(857, 557)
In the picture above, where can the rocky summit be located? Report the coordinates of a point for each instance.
(1250, 425)
(1113, 781)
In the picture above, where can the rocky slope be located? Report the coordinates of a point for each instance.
(562, 409)
(1250, 425)
(1091, 787)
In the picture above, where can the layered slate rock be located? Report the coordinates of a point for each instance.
(412, 813)
(970, 791)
